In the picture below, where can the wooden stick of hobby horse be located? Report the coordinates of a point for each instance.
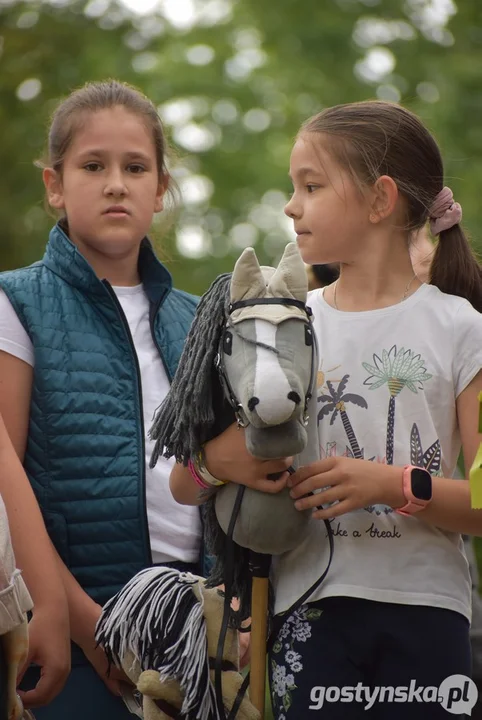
(259, 627)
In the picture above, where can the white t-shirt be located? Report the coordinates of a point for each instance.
(175, 530)
(389, 378)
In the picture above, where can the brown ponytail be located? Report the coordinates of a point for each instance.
(455, 268)
(375, 138)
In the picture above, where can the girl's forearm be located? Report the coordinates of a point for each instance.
(50, 583)
(184, 489)
(449, 508)
(83, 611)
(31, 543)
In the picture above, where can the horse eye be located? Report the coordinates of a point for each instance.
(228, 343)
(308, 336)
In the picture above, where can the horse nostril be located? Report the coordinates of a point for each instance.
(252, 403)
(294, 396)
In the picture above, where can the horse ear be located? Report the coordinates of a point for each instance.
(290, 278)
(247, 280)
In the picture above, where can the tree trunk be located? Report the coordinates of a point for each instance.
(357, 453)
(390, 430)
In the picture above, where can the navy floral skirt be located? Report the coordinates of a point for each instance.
(330, 657)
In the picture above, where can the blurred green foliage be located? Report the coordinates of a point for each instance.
(233, 81)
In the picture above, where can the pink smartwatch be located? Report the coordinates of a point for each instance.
(417, 488)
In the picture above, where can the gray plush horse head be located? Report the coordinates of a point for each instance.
(255, 327)
(267, 361)
(267, 354)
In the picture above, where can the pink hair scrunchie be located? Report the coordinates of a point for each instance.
(444, 212)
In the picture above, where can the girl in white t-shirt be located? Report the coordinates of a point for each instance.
(89, 339)
(398, 382)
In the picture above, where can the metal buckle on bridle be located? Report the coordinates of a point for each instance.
(239, 419)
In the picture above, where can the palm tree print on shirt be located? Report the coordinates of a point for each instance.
(431, 459)
(335, 403)
(331, 451)
(398, 369)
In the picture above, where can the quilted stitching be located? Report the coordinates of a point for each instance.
(84, 455)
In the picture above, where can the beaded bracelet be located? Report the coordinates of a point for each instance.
(196, 477)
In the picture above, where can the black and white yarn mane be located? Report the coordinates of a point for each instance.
(159, 620)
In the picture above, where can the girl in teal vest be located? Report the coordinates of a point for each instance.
(90, 337)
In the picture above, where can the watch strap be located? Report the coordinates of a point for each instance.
(413, 504)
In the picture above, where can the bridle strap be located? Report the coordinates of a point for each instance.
(226, 665)
(228, 390)
(270, 301)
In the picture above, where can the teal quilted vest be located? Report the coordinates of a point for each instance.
(85, 451)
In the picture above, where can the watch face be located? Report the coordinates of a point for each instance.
(421, 484)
